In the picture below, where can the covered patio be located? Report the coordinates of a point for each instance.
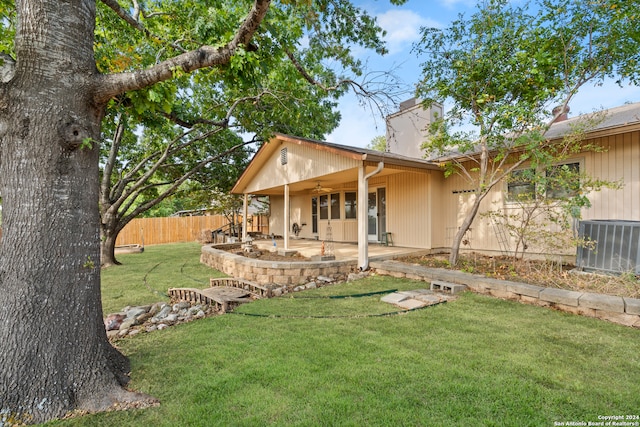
(322, 191)
(342, 251)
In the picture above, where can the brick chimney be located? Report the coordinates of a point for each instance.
(560, 116)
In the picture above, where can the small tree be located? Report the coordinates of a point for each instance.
(504, 69)
(545, 216)
(542, 204)
(378, 143)
(230, 206)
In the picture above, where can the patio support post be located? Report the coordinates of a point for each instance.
(245, 213)
(363, 220)
(363, 248)
(286, 217)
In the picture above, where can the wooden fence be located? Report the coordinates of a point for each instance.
(155, 231)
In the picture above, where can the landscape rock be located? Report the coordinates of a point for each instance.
(133, 320)
(164, 312)
(127, 323)
(171, 318)
(155, 308)
(357, 276)
(143, 318)
(182, 305)
(113, 321)
(134, 312)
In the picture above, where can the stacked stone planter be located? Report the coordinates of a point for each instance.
(272, 272)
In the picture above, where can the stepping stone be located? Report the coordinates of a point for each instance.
(394, 298)
(410, 304)
(416, 292)
(430, 299)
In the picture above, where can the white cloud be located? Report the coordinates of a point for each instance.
(403, 28)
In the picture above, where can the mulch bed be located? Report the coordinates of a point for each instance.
(542, 273)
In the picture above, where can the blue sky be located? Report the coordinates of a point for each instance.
(360, 125)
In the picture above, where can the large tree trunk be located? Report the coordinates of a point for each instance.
(108, 249)
(108, 235)
(55, 353)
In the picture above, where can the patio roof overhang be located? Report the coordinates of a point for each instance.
(362, 157)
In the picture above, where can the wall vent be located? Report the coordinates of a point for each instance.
(283, 157)
(616, 249)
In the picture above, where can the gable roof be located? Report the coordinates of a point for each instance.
(615, 119)
(625, 118)
(366, 155)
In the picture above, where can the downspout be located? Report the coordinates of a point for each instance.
(245, 214)
(363, 226)
(287, 217)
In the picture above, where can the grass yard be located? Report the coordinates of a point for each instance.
(475, 361)
(144, 278)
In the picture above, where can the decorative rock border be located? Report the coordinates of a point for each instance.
(270, 272)
(621, 310)
(148, 318)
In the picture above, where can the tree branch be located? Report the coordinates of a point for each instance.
(108, 86)
(171, 190)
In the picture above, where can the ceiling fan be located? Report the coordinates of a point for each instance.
(320, 189)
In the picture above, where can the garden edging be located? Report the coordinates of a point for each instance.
(621, 310)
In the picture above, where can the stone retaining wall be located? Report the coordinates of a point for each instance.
(625, 311)
(268, 272)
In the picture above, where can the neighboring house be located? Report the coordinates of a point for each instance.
(360, 195)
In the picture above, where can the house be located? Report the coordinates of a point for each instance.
(326, 191)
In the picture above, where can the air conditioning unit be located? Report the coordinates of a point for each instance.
(616, 246)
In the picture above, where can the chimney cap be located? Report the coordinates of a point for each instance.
(560, 113)
(411, 102)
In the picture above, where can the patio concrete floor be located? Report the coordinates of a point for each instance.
(342, 251)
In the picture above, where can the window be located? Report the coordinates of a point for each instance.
(350, 211)
(563, 181)
(314, 215)
(335, 206)
(324, 207)
(558, 182)
(520, 185)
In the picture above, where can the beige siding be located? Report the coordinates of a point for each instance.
(303, 163)
(436, 199)
(276, 217)
(619, 161)
(408, 210)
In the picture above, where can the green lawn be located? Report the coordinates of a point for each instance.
(144, 278)
(474, 361)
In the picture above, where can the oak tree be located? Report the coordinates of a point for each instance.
(55, 353)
